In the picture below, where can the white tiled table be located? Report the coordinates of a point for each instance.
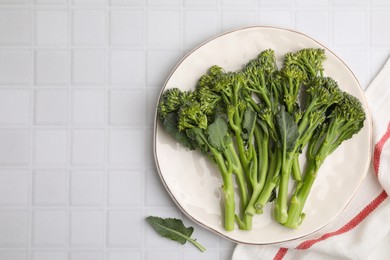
(78, 86)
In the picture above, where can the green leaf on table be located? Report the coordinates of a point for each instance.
(174, 229)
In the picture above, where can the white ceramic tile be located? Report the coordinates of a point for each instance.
(278, 18)
(155, 193)
(225, 243)
(231, 20)
(14, 187)
(14, 228)
(89, 2)
(51, 27)
(51, 1)
(379, 34)
(88, 107)
(51, 107)
(315, 24)
(52, 67)
(126, 27)
(125, 188)
(15, 1)
(379, 3)
(150, 105)
(162, 254)
(127, 2)
(311, 3)
(163, 3)
(50, 188)
(89, 67)
(88, 27)
(16, 66)
(87, 228)
(163, 28)
(124, 255)
(86, 188)
(125, 147)
(350, 3)
(349, 28)
(199, 26)
(50, 147)
(50, 228)
(126, 107)
(191, 254)
(149, 156)
(14, 255)
(124, 228)
(49, 255)
(238, 3)
(198, 3)
(275, 3)
(15, 26)
(87, 147)
(126, 67)
(86, 255)
(15, 107)
(159, 63)
(15, 147)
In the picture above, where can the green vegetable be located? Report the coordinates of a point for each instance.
(343, 121)
(174, 229)
(254, 123)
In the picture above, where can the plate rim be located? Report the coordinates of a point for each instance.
(369, 122)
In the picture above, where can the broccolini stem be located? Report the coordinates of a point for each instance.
(298, 200)
(232, 158)
(228, 191)
(271, 181)
(296, 170)
(260, 174)
(196, 244)
(280, 209)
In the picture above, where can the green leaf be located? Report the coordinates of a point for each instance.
(198, 136)
(173, 229)
(170, 125)
(248, 123)
(288, 130)
(217, 132)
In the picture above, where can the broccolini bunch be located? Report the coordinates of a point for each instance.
(254, 124)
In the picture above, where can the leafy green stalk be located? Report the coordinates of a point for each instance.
(174, 229)
(288, 130)
(272, 180)
(259, 173)
(214, 145)
(345, 119)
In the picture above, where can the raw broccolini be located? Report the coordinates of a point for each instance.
(254, 124)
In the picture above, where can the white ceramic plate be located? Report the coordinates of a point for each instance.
(194, 184)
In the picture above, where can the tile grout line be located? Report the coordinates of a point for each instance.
(69, 126)
(145, 51)
(106, 131)
(32, 132)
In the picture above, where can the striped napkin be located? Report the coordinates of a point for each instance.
(362, 230)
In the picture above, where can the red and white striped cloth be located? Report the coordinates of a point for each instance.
(360, 230)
